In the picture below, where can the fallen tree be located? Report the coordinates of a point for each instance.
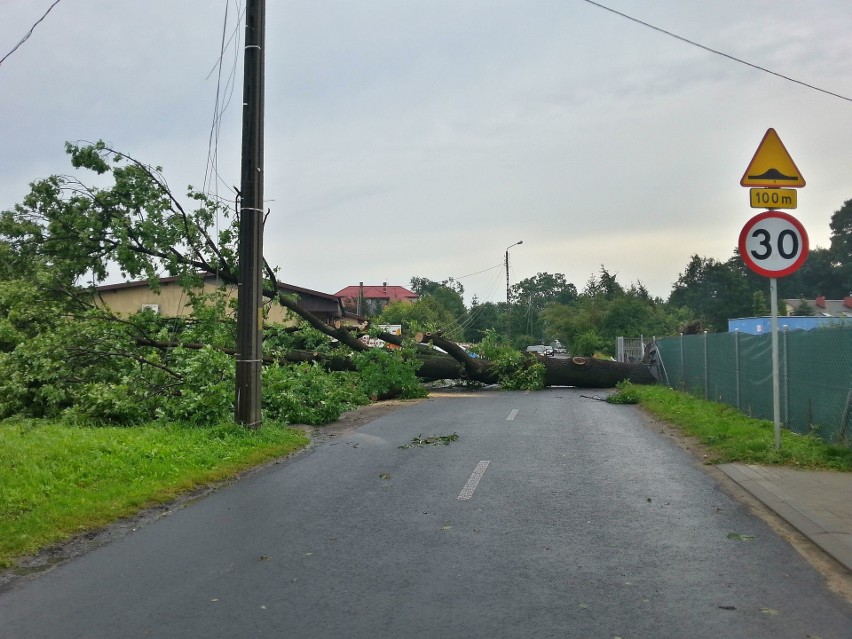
(456, 363)
(138, 224)
(583, 372)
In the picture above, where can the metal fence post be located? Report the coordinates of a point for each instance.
(706, 369)
(786, 378)
(737, 364)
(682, 369)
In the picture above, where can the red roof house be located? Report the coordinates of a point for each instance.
(370, 300)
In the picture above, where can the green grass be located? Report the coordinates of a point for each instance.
(58, 480)
(735, 437)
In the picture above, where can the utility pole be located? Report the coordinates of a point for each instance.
(250, 288)
(509, 294)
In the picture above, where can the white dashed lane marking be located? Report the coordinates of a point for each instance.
(473, 481)
(512, 415)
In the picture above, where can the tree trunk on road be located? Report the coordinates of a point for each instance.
(582, 372)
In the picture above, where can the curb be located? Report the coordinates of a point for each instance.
(817, 503)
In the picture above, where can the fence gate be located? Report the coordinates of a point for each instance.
(629, 349)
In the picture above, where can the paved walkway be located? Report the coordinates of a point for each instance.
(817, 503)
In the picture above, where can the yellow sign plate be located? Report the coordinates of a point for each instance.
(773, 198)
(772, 165)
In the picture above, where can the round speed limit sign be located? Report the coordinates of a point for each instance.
(773, 244)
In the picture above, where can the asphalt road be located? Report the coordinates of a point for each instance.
(552, 515)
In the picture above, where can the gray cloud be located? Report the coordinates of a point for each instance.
(423, 138)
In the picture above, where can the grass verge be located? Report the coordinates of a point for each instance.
(735, 437)
(58, 480)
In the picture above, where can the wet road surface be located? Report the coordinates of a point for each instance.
(551, 515)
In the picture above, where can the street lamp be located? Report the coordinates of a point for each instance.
(508, 293)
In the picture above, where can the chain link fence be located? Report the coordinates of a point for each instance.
(815, 375)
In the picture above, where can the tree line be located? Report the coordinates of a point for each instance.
(546, 308)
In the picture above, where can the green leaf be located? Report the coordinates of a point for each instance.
(740, 537)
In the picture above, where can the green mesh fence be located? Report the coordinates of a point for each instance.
(815, 375)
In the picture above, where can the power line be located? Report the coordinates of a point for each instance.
(717, 52)
(478, 272)
(223, 100)
(30, 32)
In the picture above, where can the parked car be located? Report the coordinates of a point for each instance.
(541, 349)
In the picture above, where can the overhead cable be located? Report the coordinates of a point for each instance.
(717, 52)
(29, 33)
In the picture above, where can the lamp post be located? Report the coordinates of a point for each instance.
(509, 293)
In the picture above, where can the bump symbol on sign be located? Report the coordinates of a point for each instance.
(772, 165)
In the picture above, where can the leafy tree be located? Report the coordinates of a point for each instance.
(423, 285)
(307, 394)
(545, 288)
(714, 291)
(530, 297)
(841, 234)
(803, 309)
(384, 373)
(588, 344)
(604, 286)
(605, 311)
(63, 355)
(819, 275)
(444, 304)
(760, 307)
(514, 370)
(625, 315)
(482, 318)
(136, 224)
(449, 300)
(426, 314)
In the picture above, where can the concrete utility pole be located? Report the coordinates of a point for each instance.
(509, 294)
(250, 289)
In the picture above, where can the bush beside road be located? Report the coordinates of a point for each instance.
(731, 436)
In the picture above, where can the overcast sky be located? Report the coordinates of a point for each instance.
(422, 138)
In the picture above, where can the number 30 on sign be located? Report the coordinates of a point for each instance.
(773, 244)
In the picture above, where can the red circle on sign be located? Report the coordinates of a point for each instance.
(764, 225)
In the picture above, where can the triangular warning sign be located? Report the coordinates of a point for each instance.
(772, 165)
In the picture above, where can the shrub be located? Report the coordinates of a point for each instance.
(307, 394)
(515, 370)
(626, 393)
(389, 372)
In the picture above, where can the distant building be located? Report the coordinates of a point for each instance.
(825, 314)
(171, 301)
(821, 307)
(371, 300)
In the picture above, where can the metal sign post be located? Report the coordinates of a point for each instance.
(774, 244)
(776, 392)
